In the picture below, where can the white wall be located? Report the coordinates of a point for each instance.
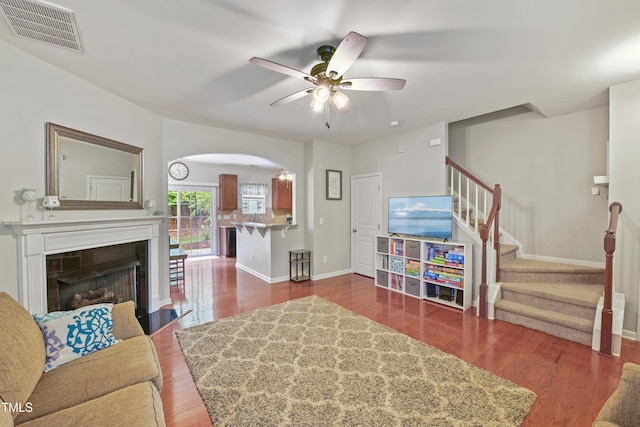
(34, 93)
(624, 176)
(546, 168)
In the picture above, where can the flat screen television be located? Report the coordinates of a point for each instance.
(424, 216)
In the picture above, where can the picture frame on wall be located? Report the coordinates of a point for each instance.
(334, 184)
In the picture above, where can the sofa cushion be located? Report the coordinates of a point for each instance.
(125, 322)
(129, 362)
(21, 351)
(69, 335)
(6, 418)
(622, 408)
(137, 405)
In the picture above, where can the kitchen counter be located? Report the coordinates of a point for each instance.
(261, 225)
(262, 249)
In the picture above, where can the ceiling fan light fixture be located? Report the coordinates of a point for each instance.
(340, 102)
(285, 174)
(322, 92)
(317, 105)
(328, 76)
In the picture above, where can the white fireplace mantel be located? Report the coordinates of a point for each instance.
(37, 239)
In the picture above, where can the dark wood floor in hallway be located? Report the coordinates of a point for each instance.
(571, 381)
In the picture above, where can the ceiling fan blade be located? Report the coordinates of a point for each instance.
(373, 83)
(294, 96)
(345, 55)
(279, 68)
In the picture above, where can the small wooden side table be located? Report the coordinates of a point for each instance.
(299, 265)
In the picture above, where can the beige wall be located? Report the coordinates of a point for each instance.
(545, 167)
(624, 178)
(408, 164)
(329, 222)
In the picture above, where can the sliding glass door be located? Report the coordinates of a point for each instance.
(191, 224)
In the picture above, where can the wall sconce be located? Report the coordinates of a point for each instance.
(49, 203)
(29, 196)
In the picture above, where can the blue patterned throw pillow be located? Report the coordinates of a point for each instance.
(69, 335)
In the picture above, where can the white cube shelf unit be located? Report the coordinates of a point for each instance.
(423, 268)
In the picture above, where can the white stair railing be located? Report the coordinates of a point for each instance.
(462, 182)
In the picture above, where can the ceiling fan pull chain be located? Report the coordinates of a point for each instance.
(326, 112)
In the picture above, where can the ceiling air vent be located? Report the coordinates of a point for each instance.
(43, 22)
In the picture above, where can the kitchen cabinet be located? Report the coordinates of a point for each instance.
(228, 192)
(281, 192)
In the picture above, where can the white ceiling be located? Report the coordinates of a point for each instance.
(189, 60)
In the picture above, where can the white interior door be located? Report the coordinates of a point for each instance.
(110, 188)
(366, 203)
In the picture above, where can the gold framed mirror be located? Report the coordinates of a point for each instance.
(87, 171)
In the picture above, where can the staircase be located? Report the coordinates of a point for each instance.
(558, 299)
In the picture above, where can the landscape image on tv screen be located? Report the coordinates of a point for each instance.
(425, 216)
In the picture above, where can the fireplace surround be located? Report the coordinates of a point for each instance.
(37, 239)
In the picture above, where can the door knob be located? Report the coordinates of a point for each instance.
(355, 230)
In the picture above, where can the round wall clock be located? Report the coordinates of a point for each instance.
(178, 170)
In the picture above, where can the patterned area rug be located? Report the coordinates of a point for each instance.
(310, 362)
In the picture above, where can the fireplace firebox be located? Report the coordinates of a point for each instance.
(110, 274)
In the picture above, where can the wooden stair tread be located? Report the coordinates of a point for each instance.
(585, 295)
(562, 319)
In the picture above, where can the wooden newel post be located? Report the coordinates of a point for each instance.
(484, 235)
(497, 196)
(606, 323)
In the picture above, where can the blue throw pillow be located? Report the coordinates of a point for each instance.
(69, 335)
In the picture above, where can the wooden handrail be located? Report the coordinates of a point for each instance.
(492, 220)
(606, 323)
(468, 174)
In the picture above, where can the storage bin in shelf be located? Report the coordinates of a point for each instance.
(396, 264)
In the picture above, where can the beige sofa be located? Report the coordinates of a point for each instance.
(622, 409)
(115, 386)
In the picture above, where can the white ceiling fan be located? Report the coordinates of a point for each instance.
(328, 76)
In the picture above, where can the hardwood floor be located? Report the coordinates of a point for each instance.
(571, 381)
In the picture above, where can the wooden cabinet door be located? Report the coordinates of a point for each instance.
(228, 192)
(281, 191)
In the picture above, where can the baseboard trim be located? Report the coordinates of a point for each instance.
(254, 273)
(581, 263)
(631, 335)
(165, 302)
(329, 275)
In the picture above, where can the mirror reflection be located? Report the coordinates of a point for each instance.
(90, 172)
